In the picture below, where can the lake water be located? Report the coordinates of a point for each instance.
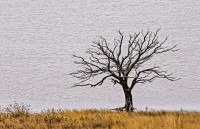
(38, 37)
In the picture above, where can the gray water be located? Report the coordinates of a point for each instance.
(38, 37)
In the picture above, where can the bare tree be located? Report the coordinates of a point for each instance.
(122, 63)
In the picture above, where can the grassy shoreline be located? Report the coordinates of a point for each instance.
(19, 117)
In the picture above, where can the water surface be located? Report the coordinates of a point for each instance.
(37, 39)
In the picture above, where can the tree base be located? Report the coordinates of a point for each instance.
(123, 109)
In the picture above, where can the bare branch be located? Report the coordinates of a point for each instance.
(112, 62)
(93, 85)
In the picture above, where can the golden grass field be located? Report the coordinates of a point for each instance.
(19, 117)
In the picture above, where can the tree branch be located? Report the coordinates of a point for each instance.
(112, 62)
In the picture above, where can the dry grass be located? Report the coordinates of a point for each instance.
(18, 117)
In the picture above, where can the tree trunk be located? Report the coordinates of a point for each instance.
(128, 100)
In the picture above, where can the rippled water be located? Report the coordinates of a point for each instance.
(38, 37)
